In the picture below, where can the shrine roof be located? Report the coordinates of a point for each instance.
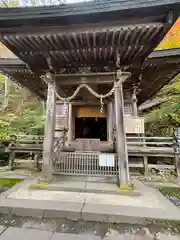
(157, 70)
(99, 36)
(165, 53)
(150, 104)
(18, 71)
(86, 34)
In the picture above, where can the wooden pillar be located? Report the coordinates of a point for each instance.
(121, 144)
(70, 127)
(134, 103)
(73, 124)
(48, 145)
(110, 122)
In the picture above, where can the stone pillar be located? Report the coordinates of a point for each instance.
(70, 127)
(134, 103)
(110, 122)
(121, 144)
(48, 145)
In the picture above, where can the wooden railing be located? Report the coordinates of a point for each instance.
(163, 148)
(28, 139)
(32, 146)
(138, 147)
(29, 145)
(150, 141)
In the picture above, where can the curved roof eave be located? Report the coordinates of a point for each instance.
(87, 12)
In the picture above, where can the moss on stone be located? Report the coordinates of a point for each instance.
(8, 182)
(174, 226)
(43, 183)
(171, 191)
(126, 187)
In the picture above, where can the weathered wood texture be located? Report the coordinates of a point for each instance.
(121, 145)
(48, 145)
(70, 123)
(110, 122)
(134, 105)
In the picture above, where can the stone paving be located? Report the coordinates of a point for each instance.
(23, 201)
(57, 229)
(89, 233)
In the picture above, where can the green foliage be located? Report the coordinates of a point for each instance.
(166, 118)
(24, 114)
(7, 182)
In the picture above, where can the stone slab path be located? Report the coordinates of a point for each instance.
(23, 201)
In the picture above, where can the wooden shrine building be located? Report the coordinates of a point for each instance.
(90, 62)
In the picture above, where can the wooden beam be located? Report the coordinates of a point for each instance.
(134, 102)
(48, 144)
(110, 122)
(121, 144)
(91, 102)
(88, 78)
(70, 127)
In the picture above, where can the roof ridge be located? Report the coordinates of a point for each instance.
(148, 3)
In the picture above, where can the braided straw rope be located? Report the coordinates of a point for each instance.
(100, 96)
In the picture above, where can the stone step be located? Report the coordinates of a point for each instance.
(86, 187)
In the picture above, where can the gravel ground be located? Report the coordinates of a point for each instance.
(156, 230)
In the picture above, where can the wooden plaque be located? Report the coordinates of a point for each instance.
(90, 112)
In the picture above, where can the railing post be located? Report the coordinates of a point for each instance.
(110, 122)
(11, 152)
(121, 144)
(177, 153)
(70, 133)
(11, 159)
(48, 144)
(145, 157)
(134, 102)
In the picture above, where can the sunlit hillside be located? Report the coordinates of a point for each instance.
(172, 39)
(5, 52)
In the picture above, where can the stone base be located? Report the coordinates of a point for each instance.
(86, 187)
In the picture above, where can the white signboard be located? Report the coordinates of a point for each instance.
(134, 125)
(106, 160)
